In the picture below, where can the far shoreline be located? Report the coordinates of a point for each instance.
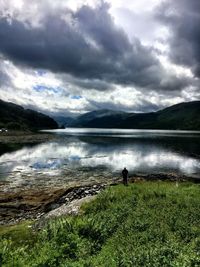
(25, 137)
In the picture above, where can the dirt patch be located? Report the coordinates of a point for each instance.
(33, 204)
(26, 204)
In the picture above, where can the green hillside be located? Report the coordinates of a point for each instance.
(15, 117)
(183, 116)
(144, 224)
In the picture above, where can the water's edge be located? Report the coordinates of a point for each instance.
(34, 205)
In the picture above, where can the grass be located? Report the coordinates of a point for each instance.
(19, 234)
(144, 224)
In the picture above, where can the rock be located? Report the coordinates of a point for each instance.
(34, 204)
(70, 208)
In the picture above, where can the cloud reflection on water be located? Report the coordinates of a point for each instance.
(54, 157)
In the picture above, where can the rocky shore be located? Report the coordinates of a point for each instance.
(33, 204)
(50, 202)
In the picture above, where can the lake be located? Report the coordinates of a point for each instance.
(95, 154)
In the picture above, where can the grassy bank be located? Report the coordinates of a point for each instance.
(144, 224)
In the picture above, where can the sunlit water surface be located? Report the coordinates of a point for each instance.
(82, 153)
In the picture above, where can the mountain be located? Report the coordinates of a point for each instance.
(95, 117)
(183, 116)
(63, 121)
(15, 117)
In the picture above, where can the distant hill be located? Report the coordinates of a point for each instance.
(98, 116)
(63, 121)
(183, 116)
(15, 117)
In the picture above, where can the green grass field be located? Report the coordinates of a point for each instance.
(145, 224)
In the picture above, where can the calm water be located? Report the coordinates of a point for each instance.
(104, 151)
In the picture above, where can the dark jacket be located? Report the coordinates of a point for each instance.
(125, 173)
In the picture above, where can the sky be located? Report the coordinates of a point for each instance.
(66, 57)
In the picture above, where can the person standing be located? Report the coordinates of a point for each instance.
(125, 176)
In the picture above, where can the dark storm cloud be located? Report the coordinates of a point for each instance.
(88, 46)
(96, 84)
(143, 105)
(183, 19)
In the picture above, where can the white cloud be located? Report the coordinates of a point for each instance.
(19, 84)
(22, 90)
(58, 91)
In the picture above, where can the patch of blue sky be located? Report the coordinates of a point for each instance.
(76, 97)
(43, 88)
(41, 72)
